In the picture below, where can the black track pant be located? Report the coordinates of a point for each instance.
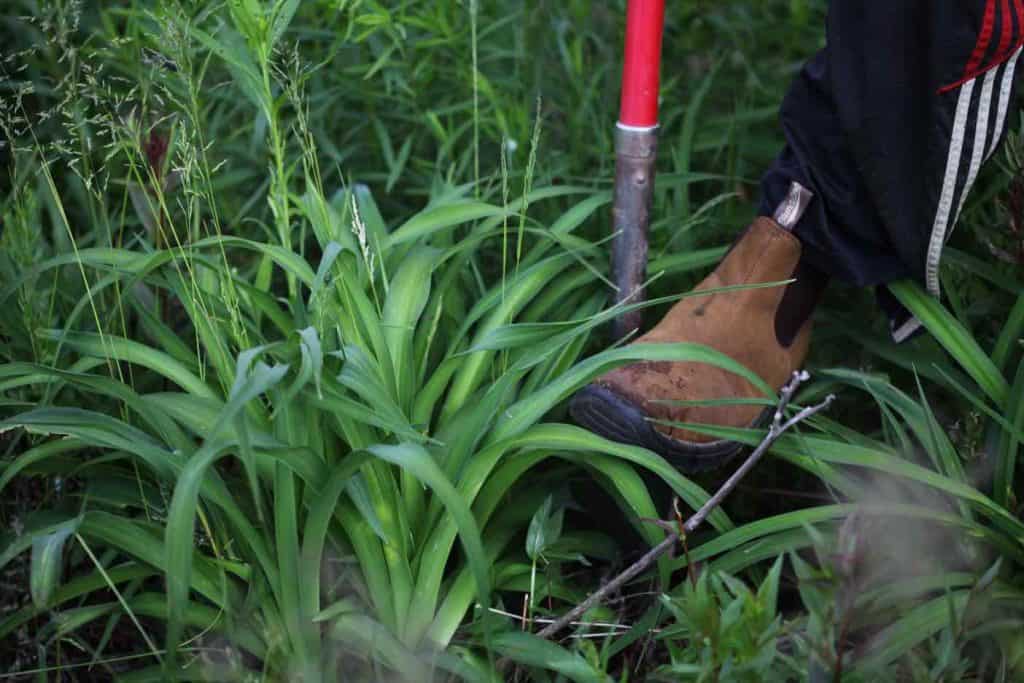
(888, 126)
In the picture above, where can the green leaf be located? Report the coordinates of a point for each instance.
(37, 454)
(913, 628)
(441, 217)
(417, 461)
(321, 507)
(48, 560)
(112, 347)
(1009, 445)
(1010, 336)
(230, 48)
(768, 593)
(407, 297)
(289, 261)
(284, 11)
(545, 529)
(179, 536)
(529, 650)
(97, 430)
(954, 337)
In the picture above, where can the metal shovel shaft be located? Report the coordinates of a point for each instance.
(635, 151)
(636, 146)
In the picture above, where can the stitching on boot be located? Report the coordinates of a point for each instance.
(760, 256)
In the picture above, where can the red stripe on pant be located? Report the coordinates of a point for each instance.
(984, 37)
(1009, 41)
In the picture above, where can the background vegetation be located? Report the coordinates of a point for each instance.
(292, 295)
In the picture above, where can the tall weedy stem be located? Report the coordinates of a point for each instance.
(476, 97)
(531, 165)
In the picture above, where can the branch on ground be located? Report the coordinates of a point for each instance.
(777, 428)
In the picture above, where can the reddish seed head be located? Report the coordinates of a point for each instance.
(155, 149)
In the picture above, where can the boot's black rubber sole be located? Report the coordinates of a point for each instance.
(607, 414)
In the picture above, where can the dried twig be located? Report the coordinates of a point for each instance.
(778, 427)
(613, 628)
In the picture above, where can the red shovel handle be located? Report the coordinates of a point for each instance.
(645, 22)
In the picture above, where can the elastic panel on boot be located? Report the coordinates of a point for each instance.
(798, 301)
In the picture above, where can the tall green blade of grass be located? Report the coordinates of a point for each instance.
(954, 338)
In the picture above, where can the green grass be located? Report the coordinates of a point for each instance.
(292, 296)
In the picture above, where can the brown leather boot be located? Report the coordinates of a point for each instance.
(766, 329)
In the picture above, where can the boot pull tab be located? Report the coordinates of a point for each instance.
(791, 210)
